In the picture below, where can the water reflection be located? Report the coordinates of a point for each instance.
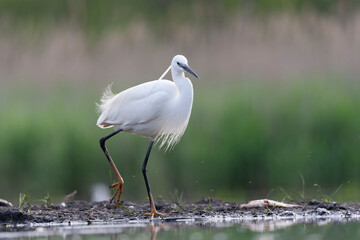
(267, 226)
(186, 229)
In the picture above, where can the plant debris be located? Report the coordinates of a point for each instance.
(266, 203)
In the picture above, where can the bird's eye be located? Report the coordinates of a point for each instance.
(178, 63)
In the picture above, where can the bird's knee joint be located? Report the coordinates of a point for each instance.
(102, 143)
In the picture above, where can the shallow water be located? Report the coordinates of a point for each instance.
(192, 229)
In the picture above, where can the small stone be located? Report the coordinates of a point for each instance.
(287, 214)
(322, 211)
(4, 203)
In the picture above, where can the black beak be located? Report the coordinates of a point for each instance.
(188, 69)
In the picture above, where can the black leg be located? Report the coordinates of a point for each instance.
(144, 170)
(103, 140)
(152, 204)
(120, 183)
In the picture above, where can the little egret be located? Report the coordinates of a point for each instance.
(158, 110)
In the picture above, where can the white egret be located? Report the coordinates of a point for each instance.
(158, 110)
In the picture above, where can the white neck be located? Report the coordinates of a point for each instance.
(184, 87)
(177, 76)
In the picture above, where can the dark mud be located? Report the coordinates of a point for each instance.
(95, 212)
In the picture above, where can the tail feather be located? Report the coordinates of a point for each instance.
(104, 104)
(105, 99)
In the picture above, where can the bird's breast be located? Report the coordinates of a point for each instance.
(165, 112)
(177, 113)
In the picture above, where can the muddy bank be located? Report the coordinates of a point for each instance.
(92, 212)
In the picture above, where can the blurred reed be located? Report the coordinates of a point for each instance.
(277, 100)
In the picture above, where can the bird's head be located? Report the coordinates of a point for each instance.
(180, 64)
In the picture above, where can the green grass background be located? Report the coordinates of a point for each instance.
(243, 140)
(247, 137)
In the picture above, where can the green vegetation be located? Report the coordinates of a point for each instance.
(177, 199)
(243, 136)
(96, 16)
(46, 199)
(23, 200)
(247, 138)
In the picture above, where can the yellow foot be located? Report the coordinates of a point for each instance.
(118, 192)
(156, 213)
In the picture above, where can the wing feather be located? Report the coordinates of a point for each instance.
(136, 105)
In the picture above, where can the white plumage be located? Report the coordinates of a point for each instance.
(159, 110)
